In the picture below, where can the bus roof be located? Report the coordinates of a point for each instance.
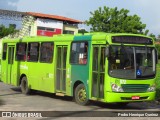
(95, 36)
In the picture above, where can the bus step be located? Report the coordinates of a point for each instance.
(60, 94)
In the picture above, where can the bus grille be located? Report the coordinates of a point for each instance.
(135, 88)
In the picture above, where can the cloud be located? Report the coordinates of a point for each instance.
(12, 4)
(148, 10)
(8, 4)
(147, 3)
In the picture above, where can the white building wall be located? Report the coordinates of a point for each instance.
(49, 23)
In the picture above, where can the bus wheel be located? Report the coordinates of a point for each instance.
(81, 95)
(24, 86)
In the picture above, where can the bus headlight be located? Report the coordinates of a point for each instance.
(116, 88)
(151, 88)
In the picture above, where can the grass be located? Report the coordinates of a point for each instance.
(158, 82)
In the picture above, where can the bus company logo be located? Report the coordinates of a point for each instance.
(21, 114)
(6, 114)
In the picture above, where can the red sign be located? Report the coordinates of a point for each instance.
(135, 97)
(48, 33)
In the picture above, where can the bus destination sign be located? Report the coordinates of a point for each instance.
(132, 40)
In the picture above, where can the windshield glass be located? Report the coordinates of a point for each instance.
(131, 62)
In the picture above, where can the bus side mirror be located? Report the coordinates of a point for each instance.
(156, 52)
(107, 52)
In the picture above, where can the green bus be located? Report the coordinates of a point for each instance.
(111, 68)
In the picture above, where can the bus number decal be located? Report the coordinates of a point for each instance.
(68, 76)
(122, 81)
(50, 75)
(24, 67)
(68, 73)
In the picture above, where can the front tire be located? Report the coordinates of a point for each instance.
(24, 86)
(80, 95)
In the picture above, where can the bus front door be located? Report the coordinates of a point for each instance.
(61, 69)
(98, 71)
(10, 64)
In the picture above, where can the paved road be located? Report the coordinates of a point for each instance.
(11, 99)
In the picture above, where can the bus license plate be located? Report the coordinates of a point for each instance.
(135, 97)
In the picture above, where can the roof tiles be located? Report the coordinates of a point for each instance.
(54, 17)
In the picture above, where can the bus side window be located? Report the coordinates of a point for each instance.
(46, 53)
(33, 52)
(79, 52)
(21, 51)
(4, 51)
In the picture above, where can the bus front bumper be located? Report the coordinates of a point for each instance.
(112, 97)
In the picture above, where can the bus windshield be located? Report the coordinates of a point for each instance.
(130, 62)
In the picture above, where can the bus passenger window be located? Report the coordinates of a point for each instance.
(46, 53)
(21, 51)
(79, 52)
(4, 51)
(33, 52)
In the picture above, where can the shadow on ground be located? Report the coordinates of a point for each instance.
(115, 106)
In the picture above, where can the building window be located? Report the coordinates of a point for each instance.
(79, 53)
(41, 28)
(68, 32)
(4, 51)
(33, 52)
(46, 54)
(50, 29)
(21, 51)
(45, 29)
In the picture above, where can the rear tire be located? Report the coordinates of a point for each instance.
(80, 95)
(24, 86)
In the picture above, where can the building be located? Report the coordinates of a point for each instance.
(49, 25)
(39, 24)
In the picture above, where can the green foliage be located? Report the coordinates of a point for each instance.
(153, 36)
(82, 31)
(158, 38)
(158, 49)
(158, 82)
(112, 20)
(158, 77)
(6, 31)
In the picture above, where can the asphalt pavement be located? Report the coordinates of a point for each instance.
(42, 105)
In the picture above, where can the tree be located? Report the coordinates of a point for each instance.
(82, 31)
(112, 20)
(158, 38)
(6, 31)
(153, 36)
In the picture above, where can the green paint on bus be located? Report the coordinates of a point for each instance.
(106, 67)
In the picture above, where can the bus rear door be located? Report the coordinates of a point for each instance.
(10, 68)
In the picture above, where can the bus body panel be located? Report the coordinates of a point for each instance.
(127, 97)
(132, 88)
(81, 72)
(44, 76)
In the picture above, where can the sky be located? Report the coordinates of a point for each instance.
(148, 10)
